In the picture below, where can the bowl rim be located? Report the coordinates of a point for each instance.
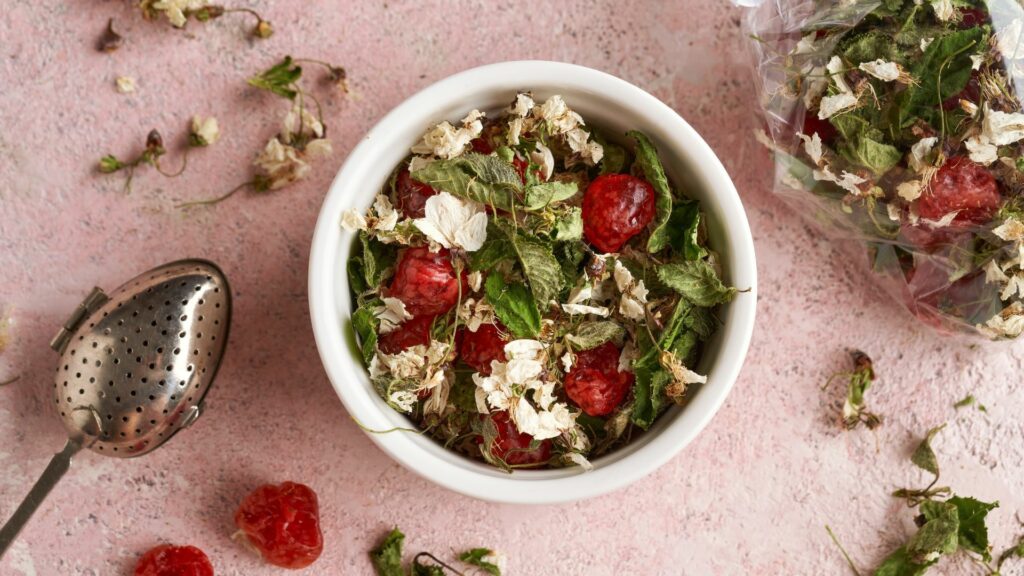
(525, 486)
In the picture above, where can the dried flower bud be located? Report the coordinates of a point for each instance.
(110, 164)
(154, 143)
(339, 77)
(263, 29)
(109, 40)
(595, 266)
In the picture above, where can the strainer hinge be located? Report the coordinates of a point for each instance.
(94, 300)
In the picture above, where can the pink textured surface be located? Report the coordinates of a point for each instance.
(750, 495)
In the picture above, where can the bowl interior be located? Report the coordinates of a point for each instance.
(613, 106)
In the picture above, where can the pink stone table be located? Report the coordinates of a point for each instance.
(750, 496)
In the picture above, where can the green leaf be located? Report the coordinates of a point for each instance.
(648, 391)
(924, 457)
(696, 281)
(569, 227)
(279, 79)
(938, 535)
(514, 306)
(540, 196)
(899, 563)
(570, 255)
(485, 179)
(648, 161)
(868, 47)
(364, 323)
(614, 159)
(944, 70)
(875, 156)
(541, 268)
(387, 557)
(592, 334)
(378, 258)
(476, 557)
(973, 534)
(497, 248)
(683, 227)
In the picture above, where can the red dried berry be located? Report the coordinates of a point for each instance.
(616, 207)
(413, 332)
(412, 195)
(971, 93)
(513, 448)
(282, 522)
(426, 282)
(478, 349)
(167, 560)
(973, 18)
(595, 383)
(823, 128)
(481, 146)
(964, 186)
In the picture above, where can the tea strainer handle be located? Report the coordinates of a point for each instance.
(59, 464)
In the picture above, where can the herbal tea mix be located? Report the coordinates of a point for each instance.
(529, 292)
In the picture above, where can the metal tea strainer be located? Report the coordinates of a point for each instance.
(134, 367)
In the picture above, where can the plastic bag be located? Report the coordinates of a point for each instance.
(898, 123)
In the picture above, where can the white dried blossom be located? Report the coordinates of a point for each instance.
(515, 129)
(846, 181)
(417, 163)
(556, 113)
(392, 314)
(475, 313)
(284, 164)
(579, 460)
(518, 385)
(522, 106)
(402, 400)
(632, 305)
(299, 120)
(1002, 128)
(205, 131)
(588, 150)
(994, 274)
(910, 190)
(812, 145)
(627, 356)
(475, 280)
(682, 376)
(383, 217)
(439, 386)
(578, 298)
(976, 61)
(125, 84)
(944, 9)
(925, 43)
(807, 44)
(832, 105)
(1011, 230)
(981, 150)
(941, 222)
(894, 212)
(882, 69)
(1008, 323)
(919, 151)
(567, 361)
(447, 141)
(454, 222)
(543, 157)
(1014, 286)
(176, 10)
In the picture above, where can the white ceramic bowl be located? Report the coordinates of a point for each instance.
(608, 103)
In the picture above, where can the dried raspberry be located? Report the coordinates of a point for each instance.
(481, 146)
(426, 282)
(513, 448)
(961, 185)
(933, 300)
(411, 333)
(412, 195)
(973, 17)
(823, 128)
(282, 522)
(595, 383)
(167, 560)
(478, 349)
(616, 207)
